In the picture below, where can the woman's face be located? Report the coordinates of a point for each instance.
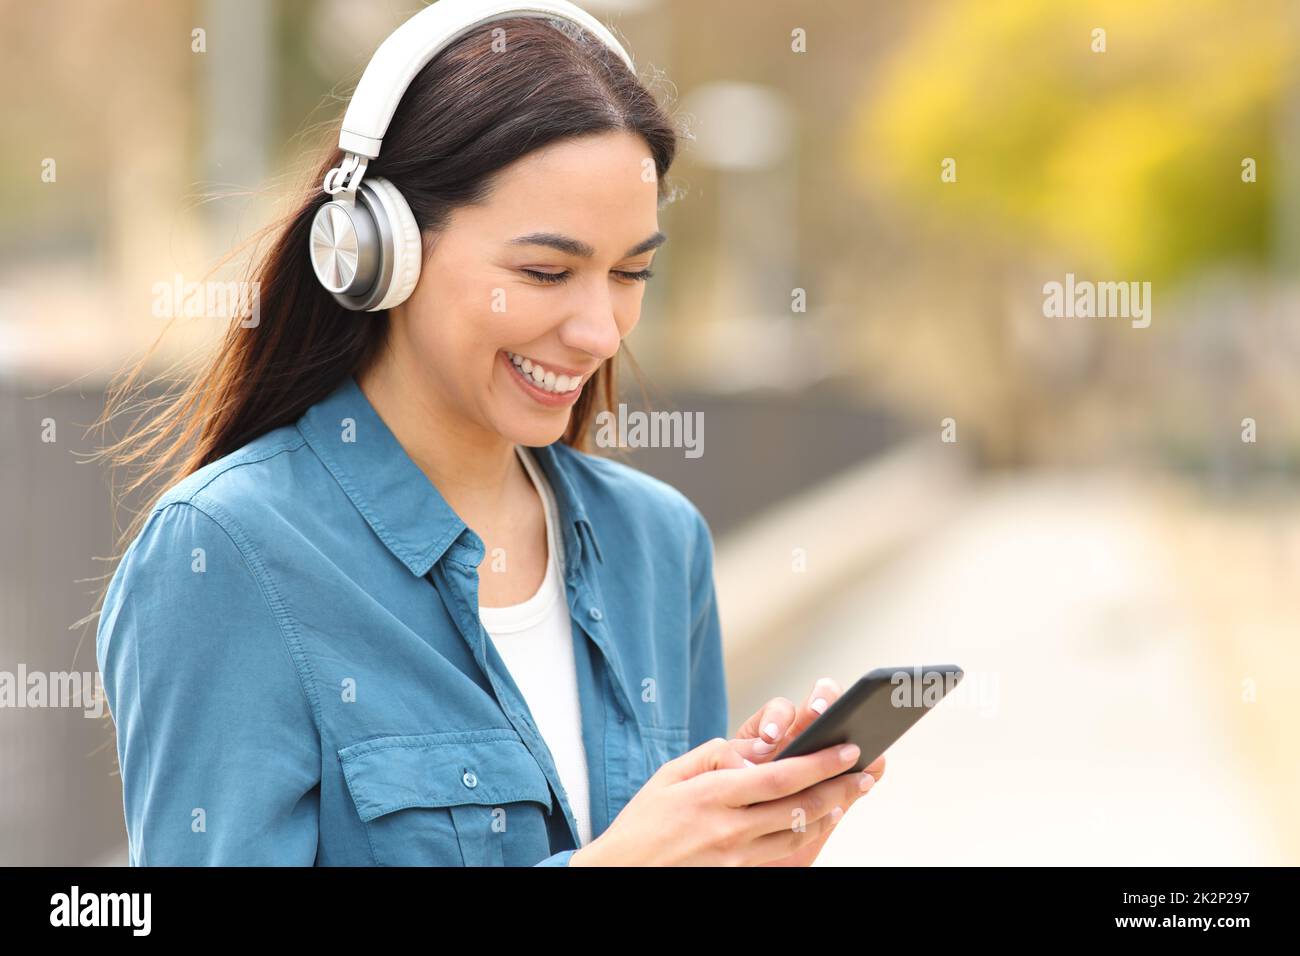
(521, 299)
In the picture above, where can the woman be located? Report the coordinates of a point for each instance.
(392, 612)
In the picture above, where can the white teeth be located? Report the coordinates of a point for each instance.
(542, 378)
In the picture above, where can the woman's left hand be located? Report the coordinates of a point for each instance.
(776, 724)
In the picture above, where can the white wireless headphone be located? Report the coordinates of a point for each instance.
(365, 244)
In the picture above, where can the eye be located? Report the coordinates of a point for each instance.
(546, 276)
(554, 277)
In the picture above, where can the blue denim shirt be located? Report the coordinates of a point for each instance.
(293, 657)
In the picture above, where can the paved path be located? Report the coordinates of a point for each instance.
(1082, 733)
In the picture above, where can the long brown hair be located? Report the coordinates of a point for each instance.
(466, 115)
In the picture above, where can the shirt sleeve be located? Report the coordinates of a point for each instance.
(218, 748)
(708, 702)
(557, 859)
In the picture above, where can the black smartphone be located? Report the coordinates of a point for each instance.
(876, 711)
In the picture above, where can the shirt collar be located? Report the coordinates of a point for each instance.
(406, 511)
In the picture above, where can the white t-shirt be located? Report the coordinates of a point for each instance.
(535, 639)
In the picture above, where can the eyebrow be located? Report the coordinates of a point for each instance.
(576, 247)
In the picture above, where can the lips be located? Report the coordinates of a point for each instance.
(559, 382)
(529, 387)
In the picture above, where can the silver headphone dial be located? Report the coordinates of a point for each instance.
(344, 249)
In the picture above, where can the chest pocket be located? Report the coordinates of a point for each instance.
(662, 744)
(468, 798)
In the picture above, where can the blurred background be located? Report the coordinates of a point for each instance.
(908, 457)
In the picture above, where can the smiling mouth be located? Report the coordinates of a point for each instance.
(541, 377)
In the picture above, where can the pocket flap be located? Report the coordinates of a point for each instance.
(488, 767)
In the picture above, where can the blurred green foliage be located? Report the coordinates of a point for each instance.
(1130, 158)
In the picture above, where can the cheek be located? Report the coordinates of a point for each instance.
(519, 316)
(435, 339)
(459, 323)
(629, 314)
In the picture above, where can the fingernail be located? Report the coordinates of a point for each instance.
(772, 730)
(761, 746)
(836, 814)
(849, 753)
(748, 762)
(867, 782)
(819, 705)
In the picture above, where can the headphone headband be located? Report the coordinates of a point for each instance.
(417, 41)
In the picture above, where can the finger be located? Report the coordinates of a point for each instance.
(782, 778)
(805, 855)
(825, 692)
(757, 737)
(800, 833)
(783, 844)
(779, 722)
(876, 768)
(810, 805)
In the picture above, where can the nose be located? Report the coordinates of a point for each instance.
(595, 328)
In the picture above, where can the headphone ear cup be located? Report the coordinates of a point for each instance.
(408, 250)
(345, 249)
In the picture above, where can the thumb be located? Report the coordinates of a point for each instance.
(715, 754)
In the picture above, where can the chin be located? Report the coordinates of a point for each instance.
(535, 434)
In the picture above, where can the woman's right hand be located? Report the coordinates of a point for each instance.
(709, 807)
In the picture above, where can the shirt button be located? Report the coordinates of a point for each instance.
(595, 613)
(469, 779)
